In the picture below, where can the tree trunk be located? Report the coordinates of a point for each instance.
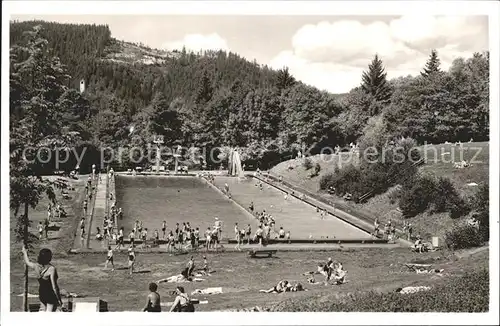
(25, 242)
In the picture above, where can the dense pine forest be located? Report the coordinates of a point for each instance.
(216, 98)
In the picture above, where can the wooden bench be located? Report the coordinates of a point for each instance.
(261, 253)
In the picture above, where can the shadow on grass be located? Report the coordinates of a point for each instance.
(142, 272)
(54, 228)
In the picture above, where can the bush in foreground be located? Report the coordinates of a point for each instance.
(468, 293)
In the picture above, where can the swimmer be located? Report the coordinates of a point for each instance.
(236, 230)
(144, 237)
(170, 241)
(208, 236)
(281, 233)
(164, 228)
(131, 237)
(197, 237)
(258, 236)
(156, 237)
(238, 238)
(248, 232)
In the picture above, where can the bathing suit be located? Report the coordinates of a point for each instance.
(46, 292)
(110, 256)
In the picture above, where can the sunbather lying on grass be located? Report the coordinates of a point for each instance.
(281, 287)
(285, 286)
(179, 279)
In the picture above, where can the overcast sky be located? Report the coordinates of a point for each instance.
(329, 52)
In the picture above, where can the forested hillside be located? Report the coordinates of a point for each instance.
(217, 98)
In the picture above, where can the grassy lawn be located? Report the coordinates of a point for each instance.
(437, 164)
(240, 277)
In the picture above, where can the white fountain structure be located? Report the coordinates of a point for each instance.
(235, 168)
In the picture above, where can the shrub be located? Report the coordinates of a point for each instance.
(447, 199)
(326, 180)
(416, 196)
(481, 205)
(458, 207)
(347, 180)
(462, 237)
(307, 164)
(315, 172)
(394, 195)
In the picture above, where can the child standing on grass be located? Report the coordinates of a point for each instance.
(109, 259)
(120, 239)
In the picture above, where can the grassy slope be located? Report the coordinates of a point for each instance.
(239, 276)
(426, 224)
(61, 240)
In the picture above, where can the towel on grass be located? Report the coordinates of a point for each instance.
(217, 290)
(413, 289)
(179, 279)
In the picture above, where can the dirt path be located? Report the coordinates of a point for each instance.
(470, 252)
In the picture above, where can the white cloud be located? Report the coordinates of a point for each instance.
(332, 56)
(197, 42)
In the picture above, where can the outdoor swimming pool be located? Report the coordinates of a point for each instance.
(153, 199)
